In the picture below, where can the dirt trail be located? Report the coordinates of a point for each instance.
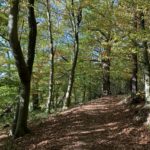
(103, 124)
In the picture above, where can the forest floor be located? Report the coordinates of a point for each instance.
(102, 124)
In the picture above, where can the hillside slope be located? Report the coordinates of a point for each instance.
(102, 124)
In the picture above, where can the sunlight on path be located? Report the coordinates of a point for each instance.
(103, 124)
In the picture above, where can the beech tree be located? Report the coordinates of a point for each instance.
(75, 20)
(141, 18)
(103, 30)
(51, 45)
(24, 67)
(134, 59)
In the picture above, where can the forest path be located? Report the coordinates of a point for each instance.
(102, 124)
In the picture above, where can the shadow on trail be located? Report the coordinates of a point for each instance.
(103, 124)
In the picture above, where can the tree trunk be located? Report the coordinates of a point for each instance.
(134, 58)
(76, 25)
(51, 45)
(24, 69)
(146, 62)
(20, 124)
(146, 73)
(147, 86)
(134, 80)
(35, 100)
(9, 65)
(84, 94)
(106, 72)
(67, 99)
(84, 88)
(75, 96)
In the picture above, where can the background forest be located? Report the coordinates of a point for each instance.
(81, 49)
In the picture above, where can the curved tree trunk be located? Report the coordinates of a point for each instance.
(75, 21)
(67, 99)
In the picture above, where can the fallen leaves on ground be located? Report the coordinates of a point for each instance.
(102, 124)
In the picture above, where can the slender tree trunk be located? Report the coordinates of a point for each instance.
(84, 94)
(84, 88)
(134, 58)
(146, 62)
(35, 96)
(51, 45)
(35, 100)
(75, 96)
(9, 65)
(89, 88)
(106, 72)
(14, 124)
(146, 72)
(67, 100)
(76, 25)
(134, 80)
(32, 36)
(24, 69)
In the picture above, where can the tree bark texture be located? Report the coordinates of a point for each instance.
(24, 69)
(106, 72)
(134, 80)
(51, 45)
(146, 61)
(134, 58)
(76, 21)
